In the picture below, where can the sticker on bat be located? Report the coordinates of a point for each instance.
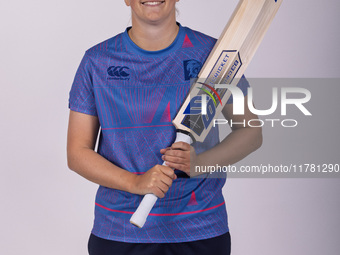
(224, 71)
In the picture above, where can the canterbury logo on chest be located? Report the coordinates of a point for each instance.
(118, 73)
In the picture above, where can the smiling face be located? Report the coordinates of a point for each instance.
(152, 11)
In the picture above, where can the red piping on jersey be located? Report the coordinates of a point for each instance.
(163, 214)
(138, 127)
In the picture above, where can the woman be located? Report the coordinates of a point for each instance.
(131, 86)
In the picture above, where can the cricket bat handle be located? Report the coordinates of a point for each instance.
(139, 217)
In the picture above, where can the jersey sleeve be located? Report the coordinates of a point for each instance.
(243, 84)
(81, 98)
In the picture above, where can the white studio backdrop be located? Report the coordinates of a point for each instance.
(47, 209)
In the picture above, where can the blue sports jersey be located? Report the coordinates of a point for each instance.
(136, 94)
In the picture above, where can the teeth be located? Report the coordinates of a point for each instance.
(152, 3)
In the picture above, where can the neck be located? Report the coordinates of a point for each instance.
(153, 37)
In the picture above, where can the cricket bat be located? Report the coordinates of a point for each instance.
(225, 65)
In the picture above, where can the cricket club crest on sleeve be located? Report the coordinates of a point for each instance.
(191, 68)
(118, 73)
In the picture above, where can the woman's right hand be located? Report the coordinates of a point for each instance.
(156, 180)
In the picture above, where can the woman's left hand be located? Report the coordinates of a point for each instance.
(179, 156)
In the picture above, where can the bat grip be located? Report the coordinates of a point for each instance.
(139, 217)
